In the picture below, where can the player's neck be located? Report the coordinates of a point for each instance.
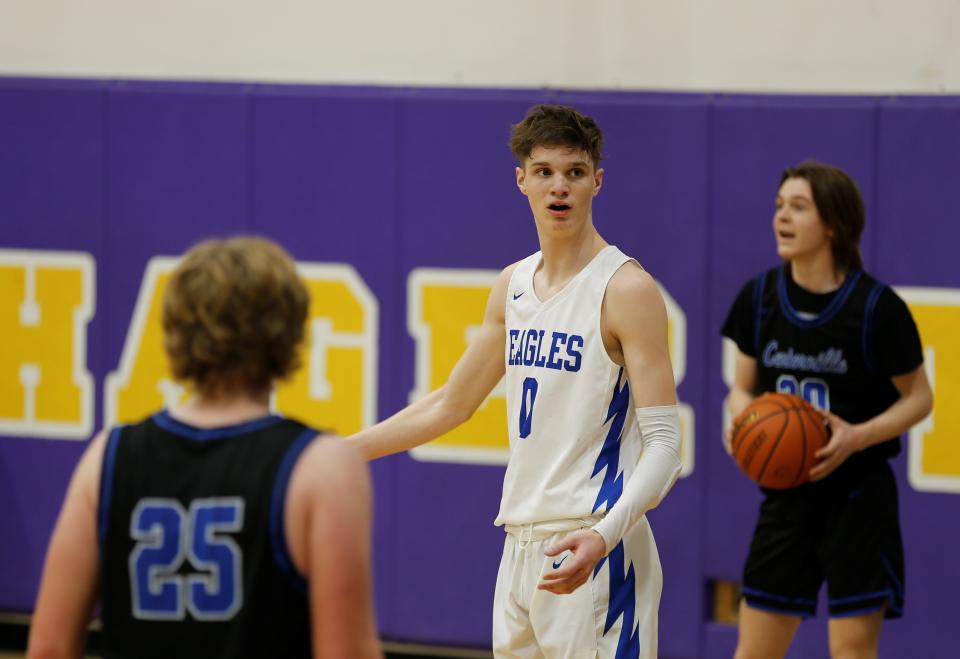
(211, 411)
(817, 274)
(564, 257)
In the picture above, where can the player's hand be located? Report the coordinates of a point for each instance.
(845, 440)
(728, 440)
(571, 570)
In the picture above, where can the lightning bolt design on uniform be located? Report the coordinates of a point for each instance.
(612, 486)
(622, 601)
(622, 581)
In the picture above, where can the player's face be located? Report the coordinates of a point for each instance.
(797, 225)
(560, 183)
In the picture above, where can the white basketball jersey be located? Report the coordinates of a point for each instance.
(573, 434)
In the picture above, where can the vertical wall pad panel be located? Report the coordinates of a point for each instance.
(918, 175)
(324, 183)
(459, 208)
(176, 174)
(474, 217)
(754, 140)
(51, 184)
(653, 205)
(918, 169)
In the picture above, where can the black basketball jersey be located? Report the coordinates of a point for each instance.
(838, 350)
(194, 560)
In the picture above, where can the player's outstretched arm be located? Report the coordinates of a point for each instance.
(68, 588)
(329, 518)
(635, 317)
(477, 372)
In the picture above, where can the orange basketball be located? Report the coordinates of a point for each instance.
(774, 440)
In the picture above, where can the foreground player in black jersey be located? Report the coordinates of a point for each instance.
(215, 529)
(820, 327)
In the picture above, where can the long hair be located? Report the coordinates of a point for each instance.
(840, 206)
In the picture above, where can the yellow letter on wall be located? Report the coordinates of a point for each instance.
(443, 308)
(934, 453)
(142, 384)
(335, 389)
(46, 301)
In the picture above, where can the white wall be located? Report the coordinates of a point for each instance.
(831, 46)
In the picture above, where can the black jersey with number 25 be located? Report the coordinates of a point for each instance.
(194, 561)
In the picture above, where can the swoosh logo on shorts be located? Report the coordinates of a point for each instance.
(557, 564)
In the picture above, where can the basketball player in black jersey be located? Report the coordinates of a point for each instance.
(216, 529)
(820, 327)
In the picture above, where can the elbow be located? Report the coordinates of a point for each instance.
(451, 413)
(926, 403)
(460, 416)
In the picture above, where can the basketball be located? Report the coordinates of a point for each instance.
(775, 438)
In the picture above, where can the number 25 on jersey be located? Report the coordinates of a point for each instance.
(167, 535)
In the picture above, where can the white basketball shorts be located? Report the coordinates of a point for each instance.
(612, 615)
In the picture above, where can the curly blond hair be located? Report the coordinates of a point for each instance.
(233, 316)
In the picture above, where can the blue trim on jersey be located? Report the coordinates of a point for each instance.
(278, 535)
(892, 575)
(778, 598)
(868, 325)
(859, 598)
(760, 606)
(622, 600)
(884, 599)
(759, 284)
(824, 316)
(181, 429)
(612, 486)
(860, 612)
(106, 483)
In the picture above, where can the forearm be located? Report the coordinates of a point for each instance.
(354, 638)
(896, 419)
(737, 400)
(655, 473)
(54, 648)
(417, 424)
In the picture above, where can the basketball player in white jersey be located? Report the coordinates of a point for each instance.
(580, 331)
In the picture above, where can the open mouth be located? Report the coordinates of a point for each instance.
(559, 207)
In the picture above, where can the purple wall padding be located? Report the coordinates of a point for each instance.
(390, 180)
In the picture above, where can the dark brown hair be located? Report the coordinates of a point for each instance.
(233, 316)
(556, 125)
(840, 206)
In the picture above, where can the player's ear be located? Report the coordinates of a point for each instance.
(521, 180)
(597, 181)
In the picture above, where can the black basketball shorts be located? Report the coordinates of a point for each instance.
(844, 530)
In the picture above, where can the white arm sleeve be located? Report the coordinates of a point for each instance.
(655, 473)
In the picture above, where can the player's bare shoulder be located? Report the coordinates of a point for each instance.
(329, 462)
(632, 306)
(631, 286)
(497, 302)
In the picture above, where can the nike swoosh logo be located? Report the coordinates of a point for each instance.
(517, 295)
(556, 565)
